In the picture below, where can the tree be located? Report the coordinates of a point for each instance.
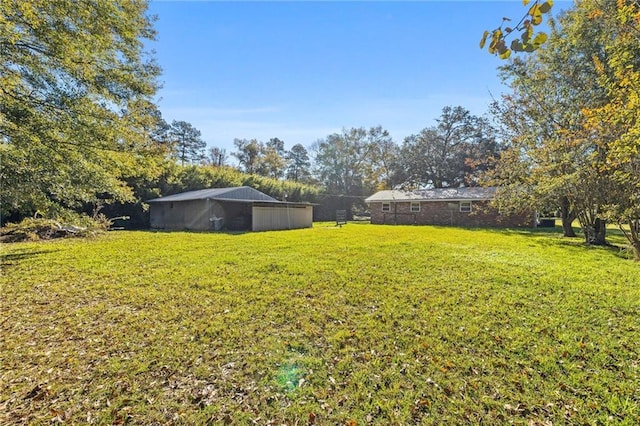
(76, 109)
(558, 116)
(247, 154)
(187, 143)
(299, 164)
(481, 154)
(262, 159)
(442, 156)
(217, 156)
(617, 122)
(540, 164)
(276, 145)
(272, 162)
(540, 121)
(340, 159)
(381, 164)
(160, 134)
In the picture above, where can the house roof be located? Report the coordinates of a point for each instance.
(437, 194)
(244, 194)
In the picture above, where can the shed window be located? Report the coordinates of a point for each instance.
(386, 207)
(465, 206)
(170, 205)
(415, 207)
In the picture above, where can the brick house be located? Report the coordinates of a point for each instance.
(469, 207)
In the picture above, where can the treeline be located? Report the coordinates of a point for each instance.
(359, 161)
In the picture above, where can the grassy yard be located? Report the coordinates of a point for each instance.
(362, 324)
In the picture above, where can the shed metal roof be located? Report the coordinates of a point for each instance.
(437, 194)
(238, 194)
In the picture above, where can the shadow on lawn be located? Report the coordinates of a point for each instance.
(552, 237)
(191, 231)
(10, 259)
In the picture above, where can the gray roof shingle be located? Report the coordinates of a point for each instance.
(444, 194)
(238, 193)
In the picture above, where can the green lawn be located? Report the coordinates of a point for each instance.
(364, 324)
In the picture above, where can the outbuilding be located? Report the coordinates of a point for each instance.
(468, 207)
(237, 209)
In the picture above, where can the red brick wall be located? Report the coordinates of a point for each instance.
(439, 213)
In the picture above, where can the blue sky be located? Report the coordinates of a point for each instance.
(302, 70)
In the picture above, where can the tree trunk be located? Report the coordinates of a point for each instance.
(633, 235)
(596, 233)
(635, 246)
(568, 216)
(567, 229)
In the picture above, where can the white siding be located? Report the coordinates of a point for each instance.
(272, 218)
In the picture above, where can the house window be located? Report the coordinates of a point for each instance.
(386, 207)
(465, 206)
(415, 207)
(171, 205)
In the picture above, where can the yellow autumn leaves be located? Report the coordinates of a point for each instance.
(528, 40)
